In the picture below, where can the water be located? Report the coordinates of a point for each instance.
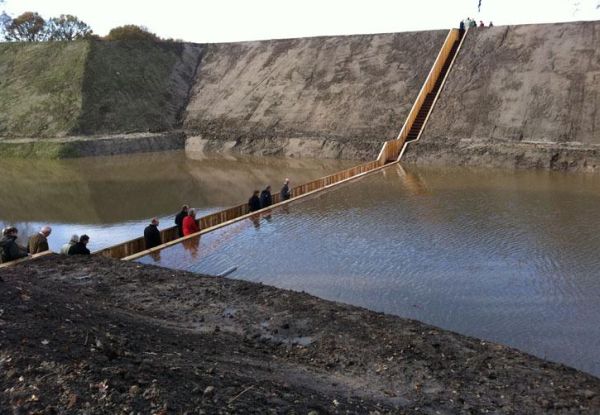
(507, 256)
(113, 198)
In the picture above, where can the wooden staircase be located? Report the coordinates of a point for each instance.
(419, 122)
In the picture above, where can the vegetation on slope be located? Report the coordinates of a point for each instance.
(126, 87)
(40, 87)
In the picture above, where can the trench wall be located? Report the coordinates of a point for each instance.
(336, 97)
(524, 96)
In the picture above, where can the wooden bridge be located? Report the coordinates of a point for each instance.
(390, 153)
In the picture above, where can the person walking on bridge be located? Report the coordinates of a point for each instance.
(9, 249)
(64, 250)
(80, 248)
(189, 223)
(254, 202)
(266, 199)
(285, 193)
(179, 219)
(152, 234)
(39, 242)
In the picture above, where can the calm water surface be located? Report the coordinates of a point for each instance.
(508, 256)
(113, 198)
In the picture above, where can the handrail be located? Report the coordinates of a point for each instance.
(214, 220)
(250, 215)
(27, 258)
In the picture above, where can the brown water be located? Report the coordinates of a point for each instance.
(508, 256)
(113, 198)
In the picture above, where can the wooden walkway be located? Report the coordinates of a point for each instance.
(390, 153)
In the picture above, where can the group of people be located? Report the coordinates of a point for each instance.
(10, 250)
(471, 23)
(265, 199)
(186, 222)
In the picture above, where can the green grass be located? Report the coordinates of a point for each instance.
(40, 88)
(40, 149)
(57, 89)
(126, 87)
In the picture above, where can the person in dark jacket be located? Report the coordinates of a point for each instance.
(152, 234)
(179, 219)
(80, 247)
(285, 190)
(266, 199)
(254, 202)
(39, 242)
(9, 249)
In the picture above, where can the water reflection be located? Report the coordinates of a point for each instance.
(112, 198)
(507, 256)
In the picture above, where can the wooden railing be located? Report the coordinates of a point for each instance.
(390, 153)
(135, 248)
(18, 261)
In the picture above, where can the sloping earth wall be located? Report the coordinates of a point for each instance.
(336, 97)
(40, 88)
(523, 96)
(63, 89)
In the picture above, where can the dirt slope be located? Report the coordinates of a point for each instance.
(520, 95)
(337, 96)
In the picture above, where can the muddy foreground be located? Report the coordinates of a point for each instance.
(98, 336)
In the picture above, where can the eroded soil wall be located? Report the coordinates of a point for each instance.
(523, 96)
(337, 96)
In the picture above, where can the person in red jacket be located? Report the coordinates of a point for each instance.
(189, 223)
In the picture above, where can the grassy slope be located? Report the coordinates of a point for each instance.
(126, 87)
(40, 88)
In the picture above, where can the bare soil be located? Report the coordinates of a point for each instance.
(99, 336)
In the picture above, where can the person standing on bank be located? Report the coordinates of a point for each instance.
(189, 223)
(266, 199)
(254, 202)
(179, 219)
(9, 249)
(80, 248)
(39, 242)
(64, 250)
(152, 234)
(285, 190)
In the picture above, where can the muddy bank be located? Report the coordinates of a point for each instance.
(492, 153)
(92, 146)
(81, 335)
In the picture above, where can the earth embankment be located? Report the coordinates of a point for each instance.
(40, 88)
(522, 96)
(93, 88)
(336, 97)
(95, 335)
